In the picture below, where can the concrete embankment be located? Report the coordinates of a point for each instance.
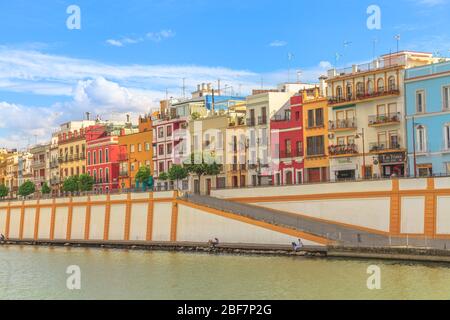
(364, 253)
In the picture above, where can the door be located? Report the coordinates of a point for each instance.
(314, 175)
(289, 178)
(197, 186)
(208, 187)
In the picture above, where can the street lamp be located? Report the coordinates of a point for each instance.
(362, 136)
(414, 127)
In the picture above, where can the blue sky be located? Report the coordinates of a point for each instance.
(128, 53)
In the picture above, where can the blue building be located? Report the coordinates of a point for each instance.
(427, 95)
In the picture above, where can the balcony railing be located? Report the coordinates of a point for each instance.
(251, 122)
(123, 173)
(384, 119)
(290, 154)
(262, 120)
(392, 90)
(343, 149)
(384, 145)
(342, 124)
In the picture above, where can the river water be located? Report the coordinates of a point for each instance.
(40, 273)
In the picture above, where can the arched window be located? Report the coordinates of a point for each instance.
(107, 175)
(106, 155)
(391, 83)
(95, 176)
(380, 85)
(421, 138)
(100, 156)
(100, 175)
(359, 89)
(370, 87)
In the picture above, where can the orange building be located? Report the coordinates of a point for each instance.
(135, 151)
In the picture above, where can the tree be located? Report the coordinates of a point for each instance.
(177, 173)
(163, 176)
(85, 182)
(143, 174)
(45, 189)
(71, 184)
(195, 115)
(27, 188)
(4, 190)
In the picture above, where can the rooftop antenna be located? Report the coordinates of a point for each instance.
(290, 57)
(299, 73)
(374, 46)
(184, 88)
(397, 37)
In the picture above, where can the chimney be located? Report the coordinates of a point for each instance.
(128, 118)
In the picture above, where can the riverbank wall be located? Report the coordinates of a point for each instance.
(137, 217)
(417, 208)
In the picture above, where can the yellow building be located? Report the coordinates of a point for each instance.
(135, 151)
(72, 149)
(315, 124)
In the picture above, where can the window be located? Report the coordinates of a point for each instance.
(446, 98)
(391, 83)
(161, 149)
(139, 147)
(420, 101)
(310, 118)
(315, 146)
(88, 158)
(106, 155)
(132, 167)
(220, 140)
(94, 157)
(169, 148)
(95, 176)
(147, 146)
(100, 156)
(161, 132)
(161, 167)
(447, 137)
(100, 175)
(264, 115)
(369, 87)
(169, 131)
(132, 148)
(380, 85)
(299, 146)
(360, 88)
(297, 115)
(287, 146)
(349, 90)
(421, 139)
(319, 117)
(339, 92)
(107, 175)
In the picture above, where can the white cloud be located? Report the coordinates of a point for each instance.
(431, 3)
(278, 43)
(151, 36)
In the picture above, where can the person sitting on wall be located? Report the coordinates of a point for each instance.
(297, 246)
(213, 243)
(2, 237)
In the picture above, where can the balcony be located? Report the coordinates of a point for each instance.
(123, 174)
(262, 120)
(54, 164)
(361, 96)
(290, 154)
(342, 125)
(38, 163)
(251, 122)
(384, 146)
(343, 150)
(384, 119)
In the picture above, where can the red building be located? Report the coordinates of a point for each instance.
(102, 150)
(286, 132)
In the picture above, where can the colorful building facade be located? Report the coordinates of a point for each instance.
(427, 91)
(102, 149)
(367, 118)
(286, 134)
(135, 151)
